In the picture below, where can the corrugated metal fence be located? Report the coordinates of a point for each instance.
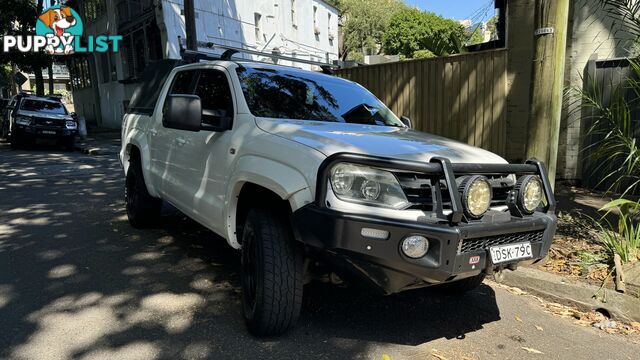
(462, 97)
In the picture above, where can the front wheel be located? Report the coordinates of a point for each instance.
(142, 208)
(272, 273)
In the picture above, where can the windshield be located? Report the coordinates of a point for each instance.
(49, 107)
(283, 94)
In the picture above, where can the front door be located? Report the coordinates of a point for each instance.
(165, 143)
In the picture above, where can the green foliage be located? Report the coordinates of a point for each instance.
(364, 23)
(411, 30)
(624, 238)
(423, 54)
(614, 147)
(492, 27)
(474, 36)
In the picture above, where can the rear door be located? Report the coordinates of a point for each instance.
(165, 160)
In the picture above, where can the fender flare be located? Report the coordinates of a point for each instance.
(136, 138)
(286, 182)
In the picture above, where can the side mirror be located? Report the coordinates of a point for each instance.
(183, 112)
(216, 120)
(406, 121)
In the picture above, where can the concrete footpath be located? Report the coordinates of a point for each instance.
(100, 142)
(619, 306)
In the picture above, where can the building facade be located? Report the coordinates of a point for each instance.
(154, 29)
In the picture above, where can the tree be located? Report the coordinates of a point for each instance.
(364, 23)
(411, 30)
(423, 54)
(474, 36)
(492, 27)
(19, 18)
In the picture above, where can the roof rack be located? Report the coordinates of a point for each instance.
(229, 51)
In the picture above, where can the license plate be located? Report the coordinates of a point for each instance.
(504, 253)
(48, 132)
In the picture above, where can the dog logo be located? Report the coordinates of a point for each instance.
(61, 22)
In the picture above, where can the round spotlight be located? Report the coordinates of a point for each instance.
(476, 196)
(530, 193)
(415, 246)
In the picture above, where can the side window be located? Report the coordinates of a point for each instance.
(215, 95)
(182, 83)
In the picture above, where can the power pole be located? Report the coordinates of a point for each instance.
(190, 24)
(547, 84)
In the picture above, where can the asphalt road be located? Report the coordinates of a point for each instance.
(76, 281)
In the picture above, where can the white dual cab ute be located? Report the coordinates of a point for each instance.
(298, 168)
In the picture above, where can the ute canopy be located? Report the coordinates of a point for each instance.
(146, 94)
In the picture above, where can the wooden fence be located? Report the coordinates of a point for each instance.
(462, 97)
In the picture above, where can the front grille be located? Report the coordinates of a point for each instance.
(419, 190)
(49, 122)
(483, 244)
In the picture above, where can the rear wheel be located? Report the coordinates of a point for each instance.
(142, 208)
(272, 273)
(464, 285)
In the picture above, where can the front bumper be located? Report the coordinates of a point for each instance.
(458, 249)
(38, 131)
(453, 251)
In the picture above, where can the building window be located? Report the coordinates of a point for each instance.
(139, 47)
(330, 34)
(316, 28)
(294, 17)
(79, 73)
(93, 9)
(258, 24)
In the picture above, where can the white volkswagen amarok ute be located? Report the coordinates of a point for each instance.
(290, 165)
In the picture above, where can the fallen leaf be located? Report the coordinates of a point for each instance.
(532, 350)
(439, 357)
(386, 357)
(539, 328)
(518, 318)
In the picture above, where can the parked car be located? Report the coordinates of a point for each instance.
(29, 117)
(4, 124)
(290, 165)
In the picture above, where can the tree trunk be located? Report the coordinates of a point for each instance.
(548, 82)
(15, 88)
(37, 72)
(50, 71)
(190, 25)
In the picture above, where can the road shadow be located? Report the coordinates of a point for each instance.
(76, 281)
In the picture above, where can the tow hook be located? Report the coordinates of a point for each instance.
(498, 272)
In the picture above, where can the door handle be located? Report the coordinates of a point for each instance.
(181, 141)
(153, 132)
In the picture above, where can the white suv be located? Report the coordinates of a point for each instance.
(289, 165)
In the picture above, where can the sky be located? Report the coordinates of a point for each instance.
(458, 9)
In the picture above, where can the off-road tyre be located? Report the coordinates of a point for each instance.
(272, 273)
(142, 208)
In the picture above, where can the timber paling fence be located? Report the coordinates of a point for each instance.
(462, 97)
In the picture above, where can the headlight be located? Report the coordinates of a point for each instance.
(476, 196)
(71, 124)
(530, 193)
(23, 120)
(361, 184)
